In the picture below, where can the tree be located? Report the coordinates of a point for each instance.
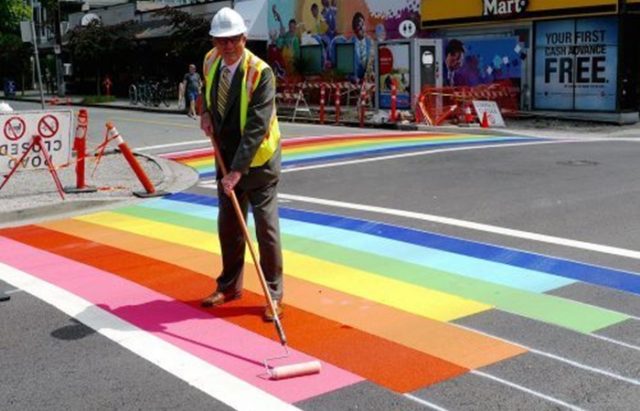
(189, 38)
(12, 12)
(97, 49)
(14, 54)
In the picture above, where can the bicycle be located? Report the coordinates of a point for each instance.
(133, 95)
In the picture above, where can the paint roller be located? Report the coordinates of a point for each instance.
(283, 371)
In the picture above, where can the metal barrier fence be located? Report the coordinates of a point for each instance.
(315, 99)
(439, 104)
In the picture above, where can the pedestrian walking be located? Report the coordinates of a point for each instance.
(192, 86)
(240, 118)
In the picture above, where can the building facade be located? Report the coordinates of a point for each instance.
(574, 56)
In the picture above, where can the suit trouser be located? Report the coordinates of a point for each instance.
(264, 206)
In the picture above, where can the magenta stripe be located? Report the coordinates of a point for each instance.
(220, 343)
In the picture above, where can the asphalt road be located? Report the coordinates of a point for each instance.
(558, 206)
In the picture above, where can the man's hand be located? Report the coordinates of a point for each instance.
(206, 125)
(230, 181)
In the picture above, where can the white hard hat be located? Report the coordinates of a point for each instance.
(227, 23)
(5, 108)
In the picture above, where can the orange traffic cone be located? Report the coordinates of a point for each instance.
(468, 116)
(485, 120)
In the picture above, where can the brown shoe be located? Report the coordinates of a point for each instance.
(267, 316)
(218, 298)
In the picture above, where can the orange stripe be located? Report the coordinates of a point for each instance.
(445, 341)
(384, 362)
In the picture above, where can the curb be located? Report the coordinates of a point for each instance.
(52, 211)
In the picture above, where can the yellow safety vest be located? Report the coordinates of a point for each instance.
(253, 67)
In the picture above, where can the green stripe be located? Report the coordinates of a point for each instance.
(542, 307)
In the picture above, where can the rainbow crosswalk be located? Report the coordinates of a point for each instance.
(365, 298)
(298, 152)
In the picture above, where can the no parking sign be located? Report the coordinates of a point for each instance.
(18, 127)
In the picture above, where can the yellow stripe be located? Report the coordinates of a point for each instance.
(410, 298)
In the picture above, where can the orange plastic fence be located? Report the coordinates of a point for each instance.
(288, 91)
(438, 104)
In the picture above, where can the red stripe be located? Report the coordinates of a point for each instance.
(384, 362)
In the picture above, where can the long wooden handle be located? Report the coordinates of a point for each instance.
(252, 251)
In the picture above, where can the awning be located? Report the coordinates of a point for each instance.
(255, 15)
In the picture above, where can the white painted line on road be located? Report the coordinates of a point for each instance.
(527, 390)
(195, 126)
(425, 402)
(422, 153)
(616, 342)
(14, 291)
(213, 381)
(470, 225)
(183, 143)
(556, 357)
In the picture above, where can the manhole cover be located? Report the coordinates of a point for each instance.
(578, 163)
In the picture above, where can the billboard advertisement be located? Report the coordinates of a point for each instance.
(393, 66)
(576, 64)
(474, 61)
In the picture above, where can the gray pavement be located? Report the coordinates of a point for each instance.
(31, 196)
(583, 191)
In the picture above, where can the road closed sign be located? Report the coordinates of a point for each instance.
(494, 116)
(17, 129)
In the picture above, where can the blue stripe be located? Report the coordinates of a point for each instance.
(461, 265)
(602, 276)
(399, 145)
(384, 151)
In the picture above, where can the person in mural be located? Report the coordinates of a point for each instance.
(453, 61)
(317, 32)
(329, 14)
(288, 41)
(463, 69)
(363, 50)
(320, 26)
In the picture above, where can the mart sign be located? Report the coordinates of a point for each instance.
(504, 8)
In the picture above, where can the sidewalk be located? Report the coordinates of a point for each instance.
(71, 100)
(31, 195)
(540, 125)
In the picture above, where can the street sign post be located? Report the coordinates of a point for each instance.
(28, 32)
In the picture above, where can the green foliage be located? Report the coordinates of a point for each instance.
(190, 38)
(11, 13)
(14, 55)
(94, 46)
(98, 99)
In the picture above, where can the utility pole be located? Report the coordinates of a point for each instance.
(57, 49)
(34, 40)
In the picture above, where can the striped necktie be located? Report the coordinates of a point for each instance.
(223, 89)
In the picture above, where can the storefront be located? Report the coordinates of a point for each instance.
(565, 57)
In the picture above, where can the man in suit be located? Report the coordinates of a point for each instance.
(240, 118)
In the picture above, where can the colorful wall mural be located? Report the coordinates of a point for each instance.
(343, 34)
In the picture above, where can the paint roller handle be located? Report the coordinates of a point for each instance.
(252, 251)
(283, 337)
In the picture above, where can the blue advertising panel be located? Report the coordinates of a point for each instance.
(576, 64)
(473, 61)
